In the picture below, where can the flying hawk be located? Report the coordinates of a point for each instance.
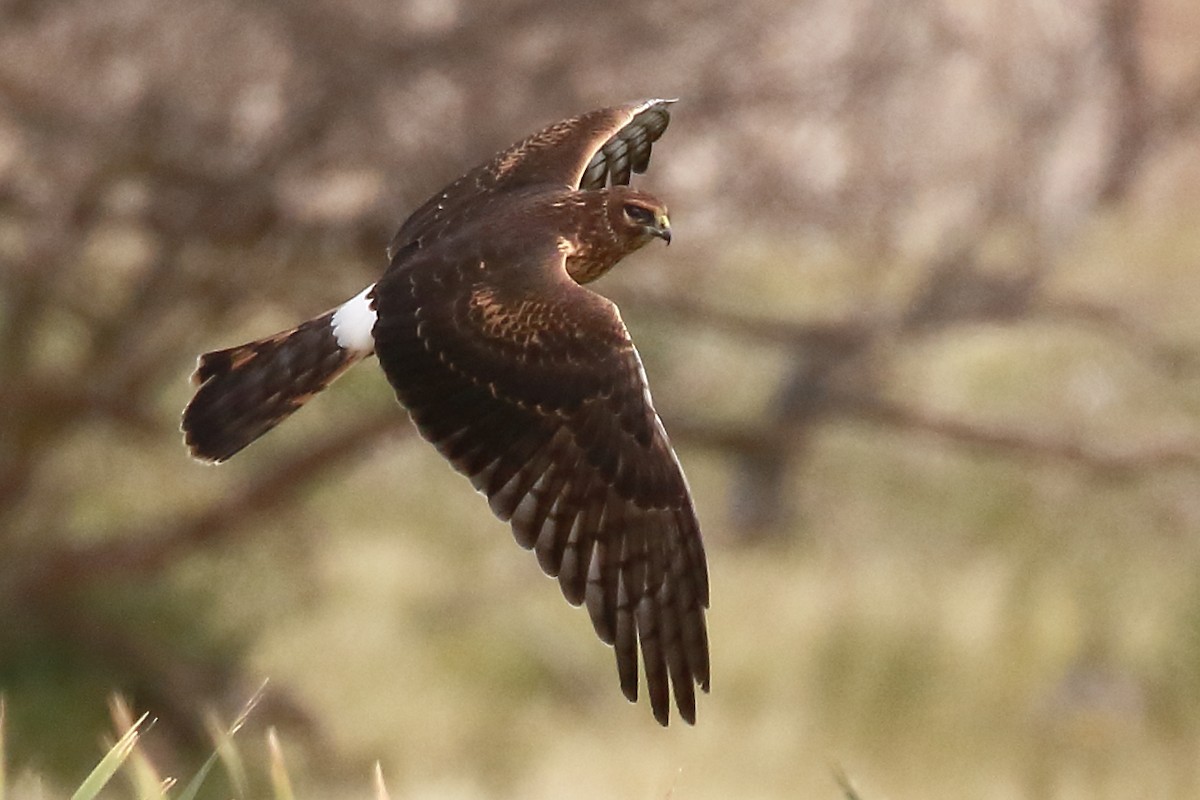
(523, 378)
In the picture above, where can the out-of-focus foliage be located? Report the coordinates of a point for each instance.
(927, 341)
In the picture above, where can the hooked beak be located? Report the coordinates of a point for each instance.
(662, 228)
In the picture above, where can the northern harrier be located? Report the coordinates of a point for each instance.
(525, 380)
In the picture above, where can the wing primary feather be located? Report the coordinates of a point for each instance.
(639, 151)
(553, 537)
(628, 149)
(695, 640)
(573, 501)
(519, 456)
(533, 511)
(577, 557)
(633, 555)
(693, 543)
(654, 661)
(688, 609)
(594, 175)
(625, 643)
(605, 569)
(505, 499)
(618, 163)
(670, 622)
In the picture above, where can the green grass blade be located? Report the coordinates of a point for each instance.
(231, 757)
(225, 751)
(193, 786)
(109, 765)
(228, 754)
(144, 777)
(281, 784)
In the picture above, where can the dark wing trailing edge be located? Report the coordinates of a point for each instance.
(531, 387)
(589, 151)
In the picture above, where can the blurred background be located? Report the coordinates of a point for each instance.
(928, 343)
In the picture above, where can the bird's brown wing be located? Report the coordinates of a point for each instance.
(589, 151)
(529, 384)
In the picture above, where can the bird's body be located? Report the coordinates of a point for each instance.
(525, 380)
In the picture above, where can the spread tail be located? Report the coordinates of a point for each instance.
(245, 391)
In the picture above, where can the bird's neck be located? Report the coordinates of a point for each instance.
(593, 250)
(587, 262)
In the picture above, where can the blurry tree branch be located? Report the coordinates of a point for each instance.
(1111, 460)
(679, 307)
(1116, 461)
(127, 555)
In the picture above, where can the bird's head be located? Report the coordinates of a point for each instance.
(637, 217)
(626, 220)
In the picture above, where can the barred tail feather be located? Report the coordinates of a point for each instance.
(245, 391)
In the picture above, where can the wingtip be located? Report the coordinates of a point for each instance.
(204, 460)
(193, 448)
(663, 102)
(650, 102)
(197, 378)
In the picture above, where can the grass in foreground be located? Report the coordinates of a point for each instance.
(126, 757)
(144, 781)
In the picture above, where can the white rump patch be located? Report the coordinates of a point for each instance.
(353, 322)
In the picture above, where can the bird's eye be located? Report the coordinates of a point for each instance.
(639, 214)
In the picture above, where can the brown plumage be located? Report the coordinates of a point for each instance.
(246, 390)
(523, 379)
